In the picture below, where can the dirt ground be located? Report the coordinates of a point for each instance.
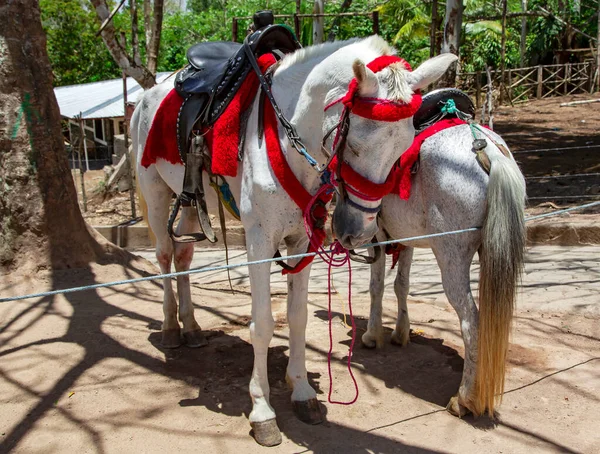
(85, 372)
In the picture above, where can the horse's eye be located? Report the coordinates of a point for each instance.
(352, 149)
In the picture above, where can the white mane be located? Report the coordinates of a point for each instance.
(398, 88)
(375, 42)
(316, 51)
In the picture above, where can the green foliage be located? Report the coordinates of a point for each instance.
(76, 54)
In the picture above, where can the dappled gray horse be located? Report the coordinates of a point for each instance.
(452, 191)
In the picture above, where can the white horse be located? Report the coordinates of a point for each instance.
(451, 191)
(303, 85)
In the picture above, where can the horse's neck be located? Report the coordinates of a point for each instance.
(300, 92)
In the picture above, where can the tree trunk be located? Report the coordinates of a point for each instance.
(139, 72)
(523, 46)
(433, 28)
(135, 40)
(598, 50)
(503, 51)
(318, 32)
(41, 226)
(452, 31)
(156, 31)
(336, 20)
(148, 23)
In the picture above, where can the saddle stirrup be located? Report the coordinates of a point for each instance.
(184, 237)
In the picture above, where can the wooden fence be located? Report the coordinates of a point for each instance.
(535, 82)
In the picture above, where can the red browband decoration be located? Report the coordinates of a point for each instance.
(377, 108)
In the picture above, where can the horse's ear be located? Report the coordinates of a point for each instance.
(430, 71)
(367, 80)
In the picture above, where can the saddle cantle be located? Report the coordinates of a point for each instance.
(433, 102)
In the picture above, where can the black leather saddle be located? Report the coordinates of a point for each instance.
(216, 71)
(433, 102)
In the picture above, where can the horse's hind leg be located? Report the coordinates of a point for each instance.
(158, 198)
(184, 252)
(401, 334)
(304, 397)
(454, 260)
(373, 337)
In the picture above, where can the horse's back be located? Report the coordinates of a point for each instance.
(448, 192)
(453, 184)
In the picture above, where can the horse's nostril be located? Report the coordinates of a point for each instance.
(371, 218)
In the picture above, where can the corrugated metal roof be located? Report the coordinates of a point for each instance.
(99, 99)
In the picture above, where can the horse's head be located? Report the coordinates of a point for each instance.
(375, 128)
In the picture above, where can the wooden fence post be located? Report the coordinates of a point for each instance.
(376, 22)
(540, 79)
(234, 30)
(297, 20)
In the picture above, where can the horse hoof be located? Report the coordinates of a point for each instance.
(401, 339)
(171, 338)
(266, 433)
(456, 409)
(195, 339)
(370, 341)
(308, 411)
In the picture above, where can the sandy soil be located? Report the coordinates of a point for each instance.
(85, 372)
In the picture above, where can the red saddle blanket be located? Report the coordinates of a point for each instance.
(404, 166)
(162, 138)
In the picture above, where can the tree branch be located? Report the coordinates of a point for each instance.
(141, 74)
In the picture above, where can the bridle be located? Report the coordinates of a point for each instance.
(342, 176)
(337, 172)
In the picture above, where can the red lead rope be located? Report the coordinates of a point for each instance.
(315, 215)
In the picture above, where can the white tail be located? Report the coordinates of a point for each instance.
(501, 257)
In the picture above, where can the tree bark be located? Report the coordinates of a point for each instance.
(318, 32)
(154, 44)
(598, 50)
(336, 20)
(41, 226)
(148, 23)
(140, 73)
(503, 51)
(523, 46)
(135, 40)
(452, 31)
(433, 29)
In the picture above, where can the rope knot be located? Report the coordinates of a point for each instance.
(449, 107)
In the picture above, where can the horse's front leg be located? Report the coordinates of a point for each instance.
(373, 337)
(262, 326)
(304, 397)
